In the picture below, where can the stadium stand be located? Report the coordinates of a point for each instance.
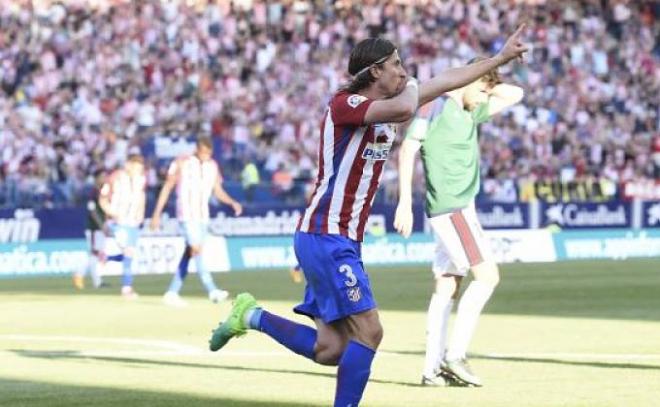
(83, 84)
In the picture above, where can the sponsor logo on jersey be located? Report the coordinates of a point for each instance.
(379, 150)
(376, 152)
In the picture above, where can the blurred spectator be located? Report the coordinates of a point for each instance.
(84, 81)
(282, 183)
(250, 180)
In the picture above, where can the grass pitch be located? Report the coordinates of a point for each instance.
(564, 334)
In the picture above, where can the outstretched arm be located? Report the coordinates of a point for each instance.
(458, 77)
(403, 219)
(398, 109)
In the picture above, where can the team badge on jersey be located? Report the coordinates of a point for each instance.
(355, 100)
(354, 294)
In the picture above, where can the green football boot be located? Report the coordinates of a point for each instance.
(234, 325)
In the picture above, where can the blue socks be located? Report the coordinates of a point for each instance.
(182, 270)
(354, 365)
(296, 337)
(181, 273)
(127, 262)
(116, 257)
(127, 277)
(353, 374)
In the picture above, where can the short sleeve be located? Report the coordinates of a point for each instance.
(173, 169)
(349, 109)
(423, 117)
(480, 114)
(417, 129)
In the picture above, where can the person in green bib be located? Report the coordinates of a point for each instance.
(446, 132)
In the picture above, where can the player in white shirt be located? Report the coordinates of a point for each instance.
(123, 201)
(196, 177)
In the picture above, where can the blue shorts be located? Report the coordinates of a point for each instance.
(337, 284)
(194, 232)
(125, 236)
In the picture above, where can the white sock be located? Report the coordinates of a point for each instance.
(248, 316)
(436, 331)
(469, 308)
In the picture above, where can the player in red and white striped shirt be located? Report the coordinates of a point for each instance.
(350, 167)
(123, 200)
(196, 177)
(356, 136)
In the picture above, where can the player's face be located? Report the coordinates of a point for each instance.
(204, 153)
(475, 94)
(135, 168)
(391, 76)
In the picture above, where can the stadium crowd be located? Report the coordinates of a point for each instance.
(84, 82)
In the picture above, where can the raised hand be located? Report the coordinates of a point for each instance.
(514, 47)
(237, 207)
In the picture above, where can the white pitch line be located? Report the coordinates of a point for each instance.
(94, 353)
(167, 345)
(170, 348)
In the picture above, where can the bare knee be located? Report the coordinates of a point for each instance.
(369, 332)
(195, 250)
(374, 335)
(328, 352)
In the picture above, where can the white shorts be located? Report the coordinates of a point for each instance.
(95, 240)
(194, 233)
(460, 242)
(125, 236)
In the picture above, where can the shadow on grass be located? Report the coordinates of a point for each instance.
(72, 354)
(606, 365)
(32, 393)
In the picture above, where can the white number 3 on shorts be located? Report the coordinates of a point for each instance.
(351, 279)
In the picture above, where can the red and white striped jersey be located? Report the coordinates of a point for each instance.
(351, 160)
(126, 195)
(194, 185)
